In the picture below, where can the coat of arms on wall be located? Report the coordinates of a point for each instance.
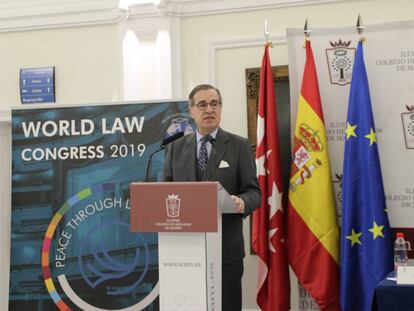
(408, 126)
(340, 58)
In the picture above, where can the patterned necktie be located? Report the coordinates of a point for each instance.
(203, 156)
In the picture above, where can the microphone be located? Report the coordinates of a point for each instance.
(170, 139)
(164, 143)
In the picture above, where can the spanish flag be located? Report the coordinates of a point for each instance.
(313, 234)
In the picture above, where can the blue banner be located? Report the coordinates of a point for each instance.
(71, 247)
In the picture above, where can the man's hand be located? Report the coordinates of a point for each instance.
(239, 204)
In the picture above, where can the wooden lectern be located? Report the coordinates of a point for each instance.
(187, 216)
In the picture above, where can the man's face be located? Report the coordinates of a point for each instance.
(206, 111)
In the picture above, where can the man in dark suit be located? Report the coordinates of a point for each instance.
(215, 155)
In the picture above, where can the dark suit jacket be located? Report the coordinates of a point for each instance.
(238, 179)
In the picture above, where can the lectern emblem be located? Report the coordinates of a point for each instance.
(340, 59)
(173, 205)
(408, 127)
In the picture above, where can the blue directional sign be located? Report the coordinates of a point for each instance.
(37, 85)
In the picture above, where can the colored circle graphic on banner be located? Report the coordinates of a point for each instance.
(121, 268)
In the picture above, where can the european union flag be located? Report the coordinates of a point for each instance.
(366, 243)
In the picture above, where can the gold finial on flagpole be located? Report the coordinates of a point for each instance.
(266, 34)
(360, 27)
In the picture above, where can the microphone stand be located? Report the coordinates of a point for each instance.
(149, 163)
(164, 143)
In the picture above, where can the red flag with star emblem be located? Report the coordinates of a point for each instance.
(268, 232)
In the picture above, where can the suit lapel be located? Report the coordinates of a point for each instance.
(189, 157)
(217, 154)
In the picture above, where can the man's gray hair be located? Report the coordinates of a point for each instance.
(202, 87)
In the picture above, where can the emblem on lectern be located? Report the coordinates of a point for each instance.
(173, 205)
(340, 59)
(408, 127)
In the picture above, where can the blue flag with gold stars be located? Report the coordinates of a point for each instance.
(366, 242)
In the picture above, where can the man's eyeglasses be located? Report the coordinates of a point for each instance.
(202, 106)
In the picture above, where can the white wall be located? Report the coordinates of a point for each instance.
(87, 61)
(218, 49)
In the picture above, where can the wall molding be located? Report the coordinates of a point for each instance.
(42, 14)
(214, 46)
(187, 8)
(205, 7)
(20, 15)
